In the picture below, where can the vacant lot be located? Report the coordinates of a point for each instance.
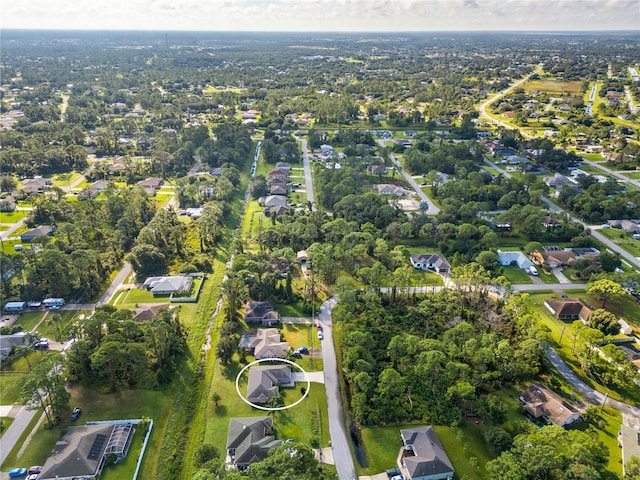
(554, 87)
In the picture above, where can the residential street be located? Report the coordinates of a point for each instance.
(308, 181)
(337, 420)
(119, 279)
(591, 394)
(10, 438)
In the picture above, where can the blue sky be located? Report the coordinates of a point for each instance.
(323, 15)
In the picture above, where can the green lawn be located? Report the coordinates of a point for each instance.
(28, 320)
(131, 297)
(292, 423)
(382, 445)
(124, 470)
(12, 217)
(622, 239)
(516, 275)
(154, 404)
(10, 385)
(4, 424)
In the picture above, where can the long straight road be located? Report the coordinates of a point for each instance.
(308, 180)
(337, 420)
(10, 438)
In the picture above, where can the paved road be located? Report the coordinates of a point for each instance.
(337, 420)
(308, 180)
(548, 286)
(10, 438)
(634, 261)
(613, 173)
(496, 97)
(592, 395)
(433, 210)
(119, 279)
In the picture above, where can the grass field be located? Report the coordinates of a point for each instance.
(10, 385)
(553, 86)
(12, 217)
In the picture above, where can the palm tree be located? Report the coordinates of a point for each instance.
(216, 398)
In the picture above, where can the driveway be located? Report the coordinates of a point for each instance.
(337, 420)
(119, 279)
(314, 377)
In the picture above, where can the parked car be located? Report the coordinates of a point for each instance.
(76, 413)
(320, 335)
(33, 476)
(35, 469)
(303, 350)
(399, 477)
(42, 344)
(393, 472)
(17, 472)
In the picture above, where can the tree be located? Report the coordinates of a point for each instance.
(291, 461)
(609, 261)
(548, 453)
(45, 387)
(204, 453)
(604, 321)
(216, 398)
(605, 289)
(632, 469)
(147, 259)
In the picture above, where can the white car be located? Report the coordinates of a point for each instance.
(320, 335)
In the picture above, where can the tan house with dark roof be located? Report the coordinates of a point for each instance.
(541, 402)
(264, 382)
(568, 309)
(264, 343)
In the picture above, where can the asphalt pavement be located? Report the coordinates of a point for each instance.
(308, 180)
(337, 420)
(589, 393)
(10, 438)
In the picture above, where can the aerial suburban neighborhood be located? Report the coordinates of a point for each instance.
(319, 255)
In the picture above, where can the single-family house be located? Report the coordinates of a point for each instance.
(377, 169)
(146, 311)
(302, 257)
(93, 190)
(283, 166)
(249, 440)
(278, 189)
(554, 258)
(550, 222)
(261, 312)
(629, 440)
(389, 189)
(273, 200)
(541, 402)
(265, 381)
(35, 185)
(378, 117)
(278, 210)
(584, 252)
(630, 226)
(514, 258)
(264, 343)
(431, 261)
(568, 309)
(41, 231)
(168, 285)
(558, 181)
(83, 450)
(278, 173)
(423, 456)
(410, 133)
(151, 185)
(9, 342)
(277, 181)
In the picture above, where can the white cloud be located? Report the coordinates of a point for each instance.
(325, 15)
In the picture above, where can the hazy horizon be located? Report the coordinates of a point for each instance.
(339, 16)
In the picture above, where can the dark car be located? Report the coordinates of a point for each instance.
(42, 344)
(392, 472)
(76, 413)
(34, 469)
(304, 350)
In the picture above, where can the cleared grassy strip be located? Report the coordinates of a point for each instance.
(10, 385)
(622, 239)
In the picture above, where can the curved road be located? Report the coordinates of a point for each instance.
(591, 394)
(337, 420)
